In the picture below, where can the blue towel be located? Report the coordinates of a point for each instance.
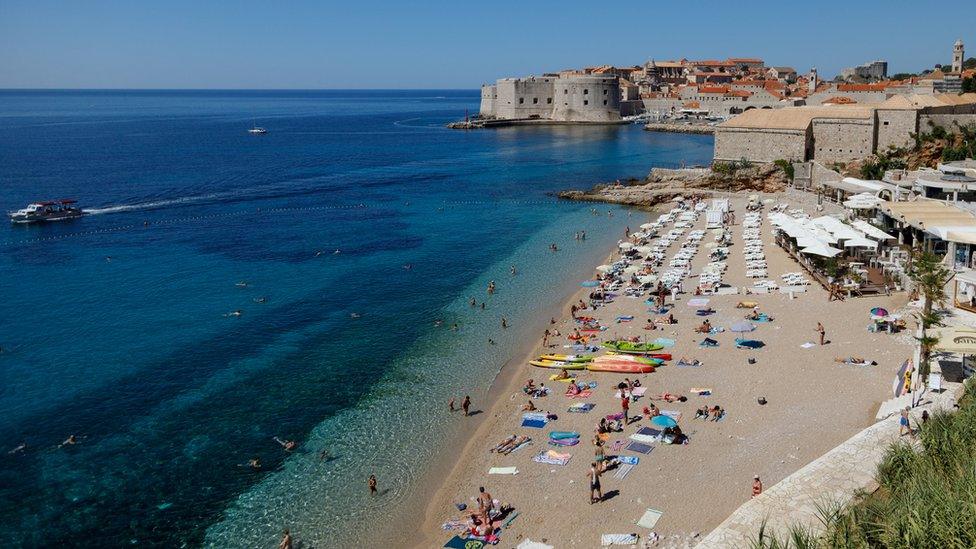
(534, 423)
(629, 460)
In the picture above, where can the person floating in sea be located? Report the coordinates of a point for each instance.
(70, 441)
(288, 445)
(474, 302)
(337, 252)
(513, 270)
(254, 463)
(408, 266)
(261, 299)
(438, 322)
(242, 284)
(18, 449)
(504, 323)
(582, 235)
(371, 483)
(455, 327)
(238, 312)
(483, 305)
(466, 405)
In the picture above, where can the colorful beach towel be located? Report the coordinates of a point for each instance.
(607, 540)
(552, 457)
(586, 393)
(664, 342)
(673, 414)
(629, 460)
(622, 471)
(534, 423)
(581, 407)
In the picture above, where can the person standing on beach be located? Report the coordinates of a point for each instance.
(903, 425)
(466, 405)
(285, 541)
(625, 407)
(757, 486)
(594, 476)
(822, 332)
(371, 482)
(545, 338)
(485, 502)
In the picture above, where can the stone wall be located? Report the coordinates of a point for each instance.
(760, 145)
(586, 99)
(519, 98)
(842, 140)
(895, 128)
(489, 96)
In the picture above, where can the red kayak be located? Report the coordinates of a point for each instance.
(620, 367)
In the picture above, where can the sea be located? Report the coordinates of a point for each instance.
(228, 291)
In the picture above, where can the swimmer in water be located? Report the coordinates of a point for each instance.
(407, 267)
(235, 313)
(108, 258)
(354, 315)
(513, 270)
(254, 463)
(318, 253)
(288, 445)
(19, 449)
(491, 341)
(70, 441)
(242, 284)
(455, 327)
(438, 322)
(260, 299)
(337, 252)
(324, 455)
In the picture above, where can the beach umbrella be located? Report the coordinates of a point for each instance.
(663, 421)
(821, 250)
(742, 327)
(879, 311)
(860, 242)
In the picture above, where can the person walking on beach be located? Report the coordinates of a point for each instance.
(625, 407)
(371, 482)
(545, 338)
(466, 405)
(903, 425)
(285, 541)
(594, 477)
(757, 486)
(822, 332)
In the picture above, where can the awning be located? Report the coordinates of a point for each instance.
(822, 250)
(954, 340)
(961, 237)
(871, 230)
(860, 242)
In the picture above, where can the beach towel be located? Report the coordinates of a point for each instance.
(629, 460)
(552, 458)
(639, 447)
(664, 342)
(556, 435)
(503, 471)
(637, 392)
(708, 342)
(534, 423)
(615, 417)
(457, 543)
(650, 518)
(607, 540)
(585, 393)
(625, 318)
(648, 431)
(808, 345)
(581, 407)
(673, 414)
(698, 302)
(622, 471)
(748, 343)
(616, 446)
(700, 391)
(685, 364)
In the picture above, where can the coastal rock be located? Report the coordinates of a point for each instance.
(663, 185)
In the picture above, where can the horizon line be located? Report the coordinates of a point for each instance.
(233, 89)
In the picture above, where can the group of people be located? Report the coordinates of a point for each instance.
(465, 405)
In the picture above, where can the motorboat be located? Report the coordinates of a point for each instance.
(52, 210)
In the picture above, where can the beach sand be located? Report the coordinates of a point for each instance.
(813, 405)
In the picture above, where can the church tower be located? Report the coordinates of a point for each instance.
(814, 81)
(958, 55)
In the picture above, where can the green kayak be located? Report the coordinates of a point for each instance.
(632, 348)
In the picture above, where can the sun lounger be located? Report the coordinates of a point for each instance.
(503, 471)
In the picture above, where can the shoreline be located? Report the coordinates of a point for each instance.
(788, 436)
(506, 381)
(702, 129)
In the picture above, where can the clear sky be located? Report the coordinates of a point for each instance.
(441, 44)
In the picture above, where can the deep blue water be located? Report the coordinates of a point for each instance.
(113, 327)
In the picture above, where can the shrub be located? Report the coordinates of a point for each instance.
(786, 166)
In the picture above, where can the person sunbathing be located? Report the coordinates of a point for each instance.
(754, 315)
(573, 389)
(563, 374)
(717, 413)
(504, 443)
(670, 397)
(511, 445)
(529, 387)
(702, 413)
(530, 407)
(685, 362)
(854, 360)
(705, 328)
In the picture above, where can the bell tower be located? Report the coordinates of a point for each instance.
(958, 55)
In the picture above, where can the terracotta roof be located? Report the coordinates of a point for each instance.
(739, 93)
(861, 87)
(691, 105)
(774, 85)
(745, 60)
(713, 89)
(840, 100)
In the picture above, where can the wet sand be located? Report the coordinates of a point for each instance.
(813, 404)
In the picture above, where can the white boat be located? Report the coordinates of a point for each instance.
(257, 130)
(55, 210)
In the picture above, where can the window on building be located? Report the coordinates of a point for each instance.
(604, 92)
(535, 100)
(549, 100)
(604, 101)
(521, 100)
(586, 91)
(885, 122)
(586, 102)
(565, 91)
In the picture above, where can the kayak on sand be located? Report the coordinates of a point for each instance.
(632, 348)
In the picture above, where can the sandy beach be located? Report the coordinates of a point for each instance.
(813, 403)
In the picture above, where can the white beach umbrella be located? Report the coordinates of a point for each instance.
(860, 242)
(821, 250)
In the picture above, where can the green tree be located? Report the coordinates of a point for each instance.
(969, 85)
(929, 277)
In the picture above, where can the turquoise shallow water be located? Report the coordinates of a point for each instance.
(114, 330)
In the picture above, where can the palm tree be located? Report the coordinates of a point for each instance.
(929, 277)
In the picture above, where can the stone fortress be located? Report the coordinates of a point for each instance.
(569, 98)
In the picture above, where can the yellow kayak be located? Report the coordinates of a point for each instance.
(558, 365)
(567, 358)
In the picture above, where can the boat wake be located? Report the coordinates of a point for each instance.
(156, 204)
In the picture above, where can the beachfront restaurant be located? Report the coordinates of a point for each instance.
(860, 190)
(839, 255)
(944, 228)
